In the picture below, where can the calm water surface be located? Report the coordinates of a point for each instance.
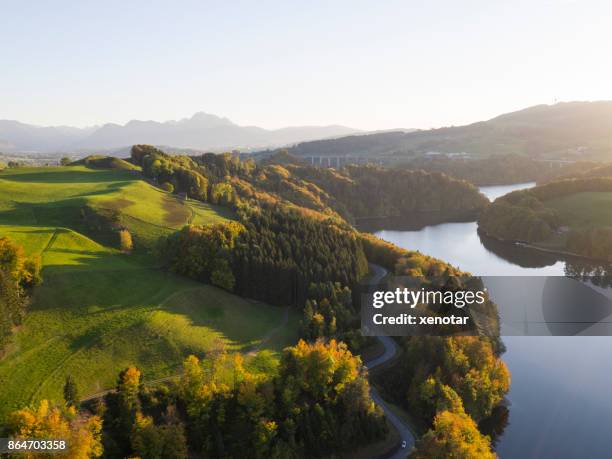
(561, 393)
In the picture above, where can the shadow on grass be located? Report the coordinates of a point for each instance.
(41, 231)
(62, 214)
(50, 175)
(107, 294)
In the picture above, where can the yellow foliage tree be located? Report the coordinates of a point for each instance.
(125, 240)
(322, 369)
(24, 270)
(453, 435)
(82, 433)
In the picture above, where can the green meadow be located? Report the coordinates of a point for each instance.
(584, 210)
(99, 310)
(55, 197)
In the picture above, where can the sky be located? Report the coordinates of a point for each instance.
(368, 65)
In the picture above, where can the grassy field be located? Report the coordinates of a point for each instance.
(578, 211)
(55, 196)
(584, 210)
(99, 310)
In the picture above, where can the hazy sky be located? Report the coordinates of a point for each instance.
(370, 65)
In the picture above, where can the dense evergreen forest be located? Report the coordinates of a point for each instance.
(273, 255)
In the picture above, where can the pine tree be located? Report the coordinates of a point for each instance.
(71, 392)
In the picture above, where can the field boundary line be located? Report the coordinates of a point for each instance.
(51, 240)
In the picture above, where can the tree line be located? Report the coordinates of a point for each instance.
(19, 274)
(449, 384)
(492, 170)
(371, 191)
(272, 254)
(523, 216)
(314, 403)
(351, 193)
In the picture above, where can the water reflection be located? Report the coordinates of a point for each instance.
(495, 425)
(560, 402)
(516, 254)
(413, 222)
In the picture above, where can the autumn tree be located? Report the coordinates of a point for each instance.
(223, 193)
(317, 404)
(125, 241)
(18, 275)
(122, 408)
(203, 252)
(453, 435)
(82, 433)
(181, 171)
(465, 364)
(151, 441)
(23, 269)
(329, 312)
(325, 399)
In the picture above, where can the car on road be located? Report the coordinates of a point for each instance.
(404, 444)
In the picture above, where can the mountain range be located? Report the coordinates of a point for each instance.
(202, 131)
(574, 130)
(571, 130)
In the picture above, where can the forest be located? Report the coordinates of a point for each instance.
(569, 214)
(352, 193)
(289, 242)
(488, 171)
(272, 255)
(314, 402)
(370, 191)
(257, 258)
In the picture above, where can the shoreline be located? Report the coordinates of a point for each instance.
(559, 252)
(415, 221)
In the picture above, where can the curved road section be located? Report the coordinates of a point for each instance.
(378, 272)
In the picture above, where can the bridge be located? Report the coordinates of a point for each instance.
(340, 161)
(556, 162)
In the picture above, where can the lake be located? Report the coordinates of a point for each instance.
(559, 402)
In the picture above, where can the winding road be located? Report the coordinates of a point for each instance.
(391, 348)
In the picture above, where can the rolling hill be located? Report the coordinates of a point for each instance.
(99, 310)
(573, 130)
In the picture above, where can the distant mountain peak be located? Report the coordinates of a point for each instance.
(207, 120)
(201, 131)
